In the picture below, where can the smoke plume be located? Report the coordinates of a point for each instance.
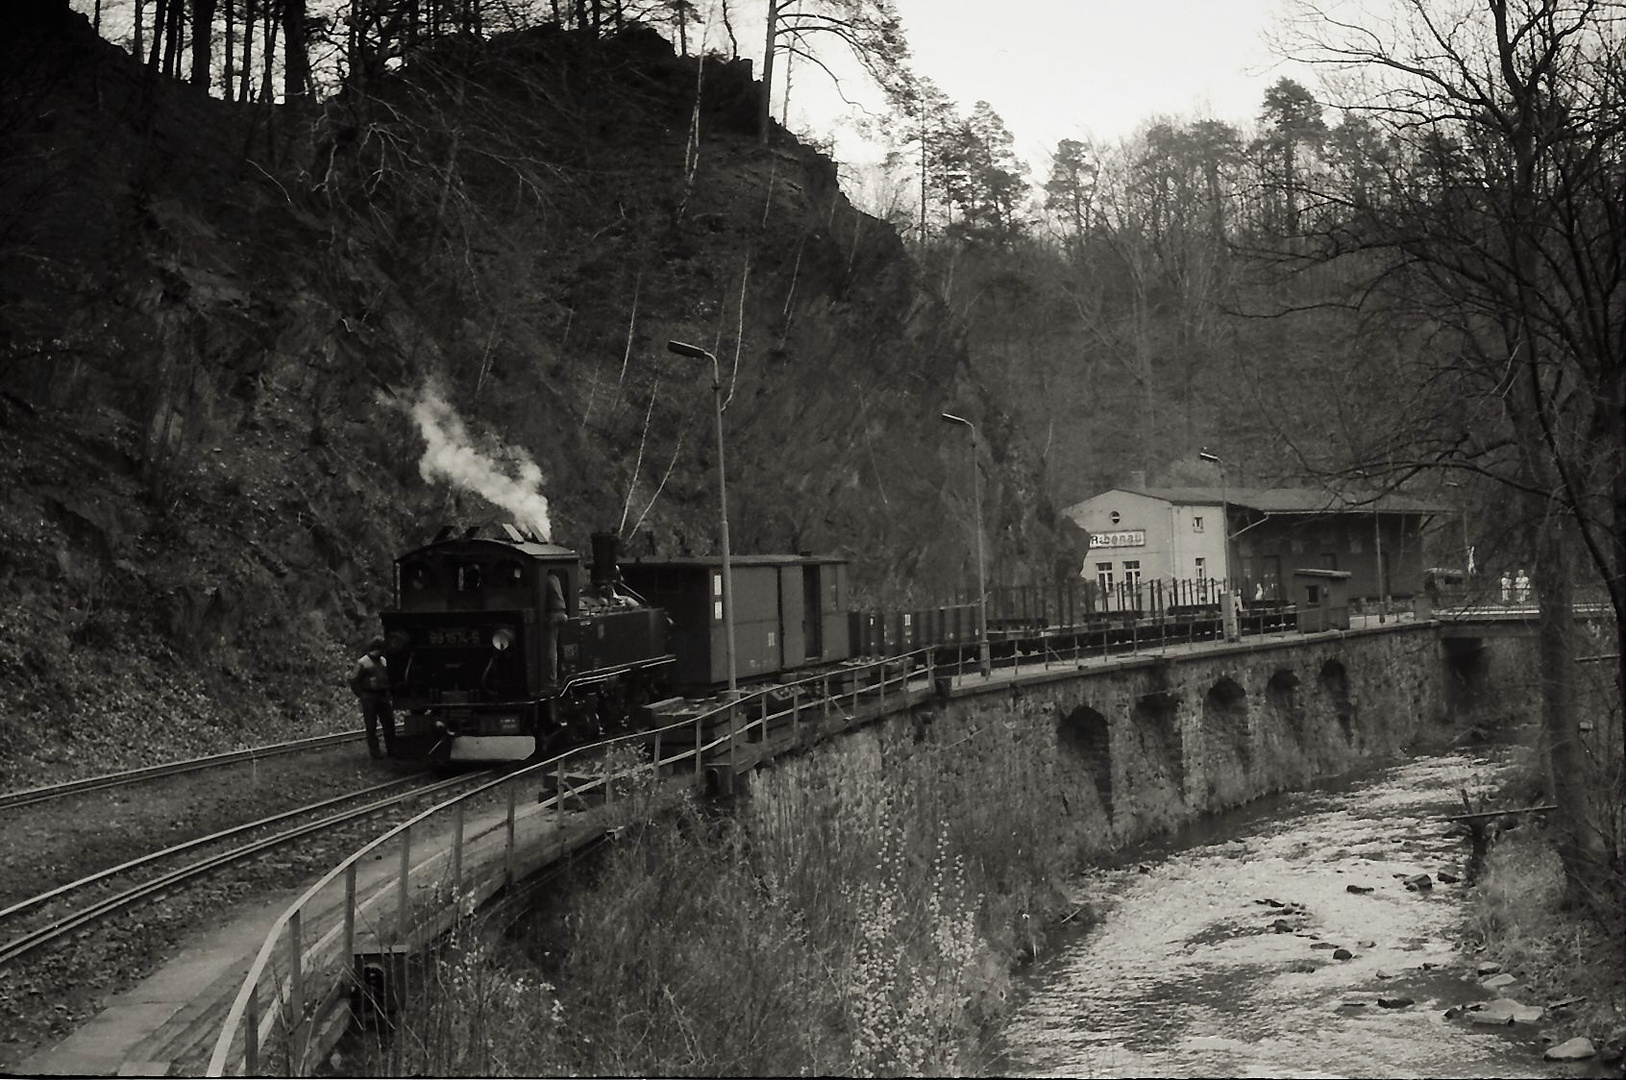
(450, 455)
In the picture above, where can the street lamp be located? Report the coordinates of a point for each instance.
(1228, 605)
(1225, 511)
(1467, 548)
(696, 352)
(984, 662)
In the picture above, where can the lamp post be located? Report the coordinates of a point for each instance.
(696, 352)
(1467, 548)
(984, 661)
(1228, 605)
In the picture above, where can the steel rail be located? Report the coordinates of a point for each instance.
(35, 901)
(34, 939)
(29, 796)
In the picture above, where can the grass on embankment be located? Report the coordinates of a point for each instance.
(858, 914)
(1518, 918)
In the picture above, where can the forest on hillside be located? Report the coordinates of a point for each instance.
(1198, 285)
(1411, 278)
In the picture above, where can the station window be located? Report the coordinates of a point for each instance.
(1196, 523)
(1132, 573)
(1202, 567)
(1115, 517)
(1103, 574)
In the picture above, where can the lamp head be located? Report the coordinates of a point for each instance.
(1204, 455)
(950, 418)
(683, 348)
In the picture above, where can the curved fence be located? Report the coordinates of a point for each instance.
(379, 901)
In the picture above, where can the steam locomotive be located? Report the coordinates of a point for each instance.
(469, 640)
(490, 661)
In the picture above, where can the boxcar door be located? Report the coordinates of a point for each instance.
(812, 613)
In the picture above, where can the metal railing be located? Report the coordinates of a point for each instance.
(277, 1003)
(294, 986)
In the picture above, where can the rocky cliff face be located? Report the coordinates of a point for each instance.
(230, 333)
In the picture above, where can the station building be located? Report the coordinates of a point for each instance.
(1254, 537)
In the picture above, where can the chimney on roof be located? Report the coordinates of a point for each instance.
(1137, 479)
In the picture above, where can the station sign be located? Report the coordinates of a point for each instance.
(1128, 538)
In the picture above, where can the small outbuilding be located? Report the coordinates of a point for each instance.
(1322, 597)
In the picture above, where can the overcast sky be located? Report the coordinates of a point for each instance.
(1058, 69)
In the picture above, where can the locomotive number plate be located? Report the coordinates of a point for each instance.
(457, 636)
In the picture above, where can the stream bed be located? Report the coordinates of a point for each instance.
(1216, 957)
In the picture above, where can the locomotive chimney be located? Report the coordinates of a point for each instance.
(605, 571)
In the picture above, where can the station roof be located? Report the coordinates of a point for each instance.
(1290, 500)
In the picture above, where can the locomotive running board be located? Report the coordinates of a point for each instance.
(493, 747)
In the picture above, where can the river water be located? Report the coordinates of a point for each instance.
(1194, 970)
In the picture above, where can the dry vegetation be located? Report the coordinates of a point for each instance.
(1518, 918)
(859, 914)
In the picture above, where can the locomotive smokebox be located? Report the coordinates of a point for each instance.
(606, 546)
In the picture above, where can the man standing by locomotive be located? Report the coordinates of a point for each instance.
(370, 682)
(555, 615)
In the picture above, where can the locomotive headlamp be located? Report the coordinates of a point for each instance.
(502, 638)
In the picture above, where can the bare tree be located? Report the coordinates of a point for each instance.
(870, 29)
(1508, 233)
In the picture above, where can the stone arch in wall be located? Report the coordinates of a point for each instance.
(1334, 683)
(1157, 720)
(1084, 736)
(1282, 699)
(1225, 719)
(1467, 673)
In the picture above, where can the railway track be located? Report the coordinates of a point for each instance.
(13, 799)
(55, 926)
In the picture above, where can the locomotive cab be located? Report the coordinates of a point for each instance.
(468, 643)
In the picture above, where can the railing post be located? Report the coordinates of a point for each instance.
(699, 771)
(508, 858)
(559, 795)
(656, 770)
(350, 913)
(457, 850)
(251, 1033)
(734, 739)
(403, 889)
(609, 786)
(296, 990)
(795, 714)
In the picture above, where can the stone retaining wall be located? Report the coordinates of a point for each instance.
(1162, 740)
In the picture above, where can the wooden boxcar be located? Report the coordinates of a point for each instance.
(789, 612)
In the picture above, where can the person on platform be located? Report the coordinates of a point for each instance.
(1521, 587)
(370, 682)
(1507, 587)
